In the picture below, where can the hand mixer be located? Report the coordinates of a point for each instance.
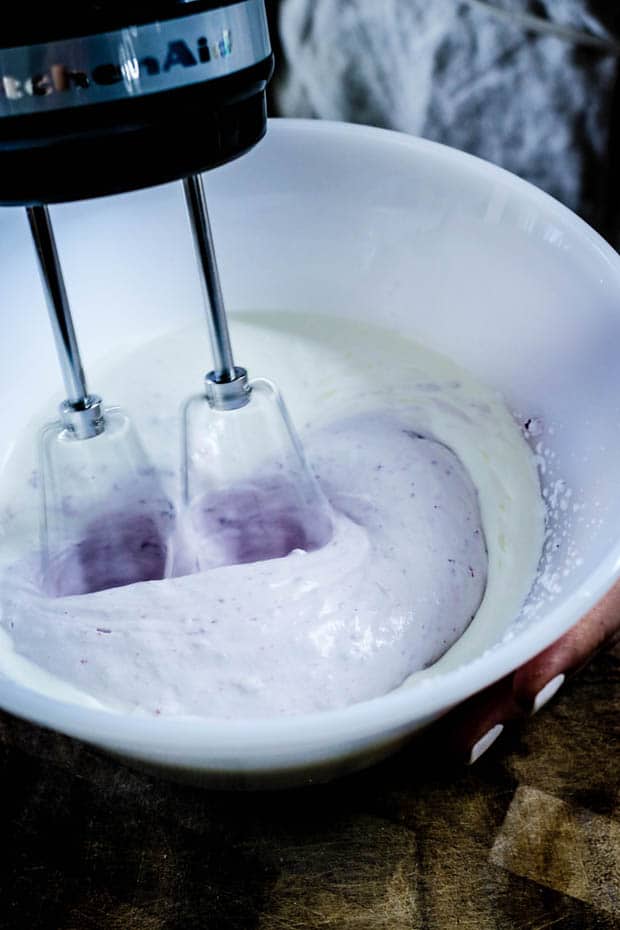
(103, 97)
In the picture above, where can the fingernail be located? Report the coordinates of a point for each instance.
(484, 742)
(545, 694)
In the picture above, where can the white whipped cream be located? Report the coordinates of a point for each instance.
(422, 465)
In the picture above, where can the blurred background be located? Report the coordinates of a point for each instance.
(528, 84)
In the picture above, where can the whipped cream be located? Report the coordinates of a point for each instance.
(437, 530)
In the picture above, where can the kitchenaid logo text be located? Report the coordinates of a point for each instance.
(179, 55)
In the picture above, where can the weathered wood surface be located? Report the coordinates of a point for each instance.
(528, 838)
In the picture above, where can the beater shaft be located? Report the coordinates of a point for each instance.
(226, 386)
(224, 364)
(81, 412)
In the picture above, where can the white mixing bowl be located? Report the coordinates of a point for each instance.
(381, 227)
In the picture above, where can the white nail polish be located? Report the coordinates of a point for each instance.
(484, 742)
(545, 694)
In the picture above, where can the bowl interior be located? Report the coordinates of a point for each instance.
(388, 229)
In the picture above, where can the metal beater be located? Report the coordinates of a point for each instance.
(105, 520)
(249, 492)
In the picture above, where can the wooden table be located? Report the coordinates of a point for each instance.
(528, 838)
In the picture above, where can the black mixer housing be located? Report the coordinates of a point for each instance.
(154, 119)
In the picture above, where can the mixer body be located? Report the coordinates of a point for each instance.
(102, 97)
